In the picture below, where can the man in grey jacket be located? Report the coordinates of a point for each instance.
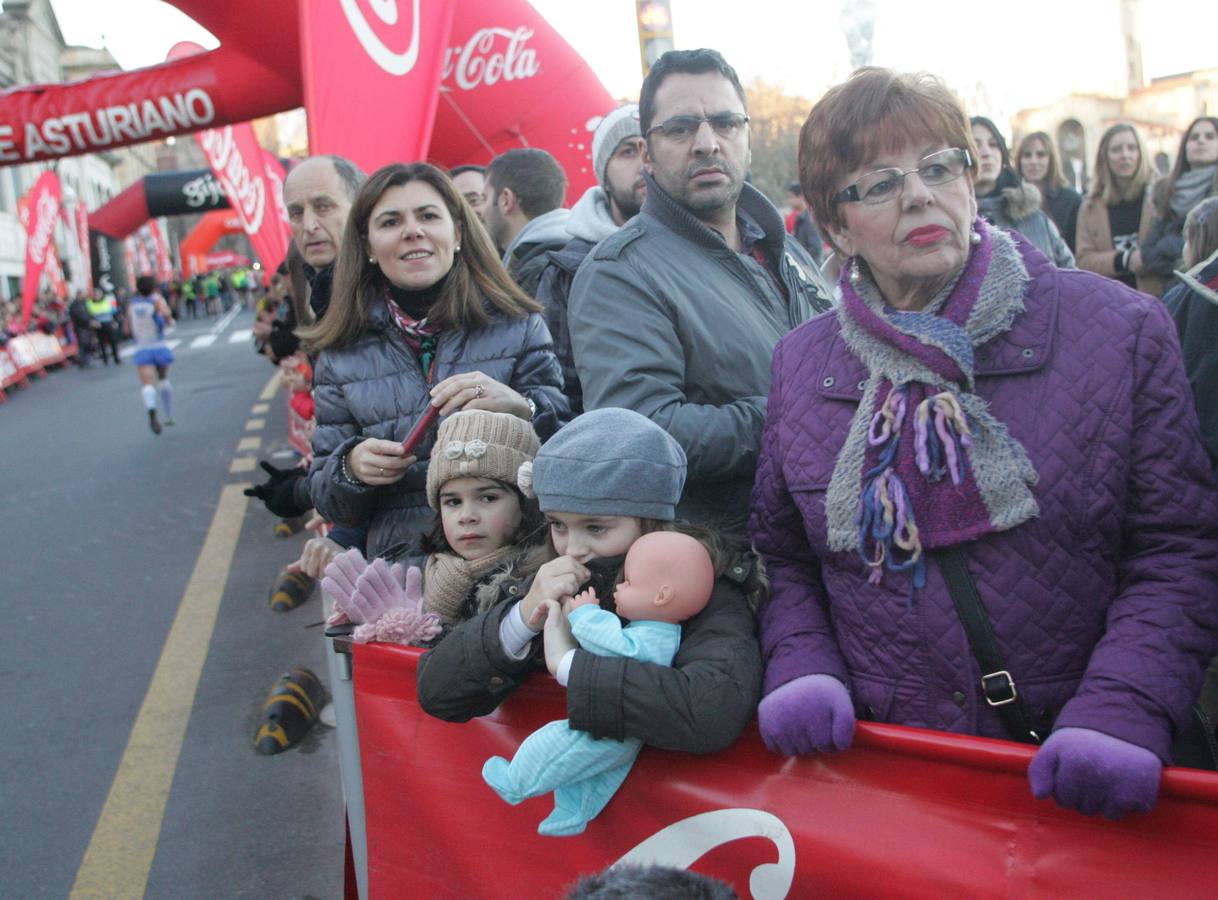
(676, 314)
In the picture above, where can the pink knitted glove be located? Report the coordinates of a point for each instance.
(379, 588)
(1094, 772)
(811, 714)
(393, 612)
(339, 582)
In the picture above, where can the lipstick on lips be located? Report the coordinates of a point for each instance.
(927, 234)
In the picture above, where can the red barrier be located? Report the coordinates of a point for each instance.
(906, 812)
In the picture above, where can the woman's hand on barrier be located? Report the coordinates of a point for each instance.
(377, 462)
(473, 390)
(811, 714)
(556, 580)
(1093, 772)
(558, 637)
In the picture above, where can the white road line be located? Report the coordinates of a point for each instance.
(203, 340)
(241, 334)
(226, 320)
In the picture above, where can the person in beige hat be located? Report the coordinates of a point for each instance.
(485, 524)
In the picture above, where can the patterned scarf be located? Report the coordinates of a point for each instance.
(925, 464)
(419, 335)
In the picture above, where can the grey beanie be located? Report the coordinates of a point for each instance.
(611, 462)
(618, 125)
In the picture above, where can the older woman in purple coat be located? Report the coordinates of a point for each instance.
(972, 409)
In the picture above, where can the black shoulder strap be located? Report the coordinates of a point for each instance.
(997, 684)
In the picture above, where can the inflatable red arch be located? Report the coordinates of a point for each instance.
(381, 80)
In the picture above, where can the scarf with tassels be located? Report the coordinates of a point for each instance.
(925, 464)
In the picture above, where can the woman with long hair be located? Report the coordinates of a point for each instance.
(1039, 165)
(1119, 211)
(1007, 201)
(1194, 176)
(427, 317)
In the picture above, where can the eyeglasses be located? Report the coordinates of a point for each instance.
(680, 129)
(883, 185)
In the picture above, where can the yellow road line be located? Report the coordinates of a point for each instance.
(249, 443)
(271, 389)
(243, 464)
(255, 424)
(119, 856)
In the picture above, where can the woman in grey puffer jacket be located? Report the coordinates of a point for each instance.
(1007, 201)
(422, 313)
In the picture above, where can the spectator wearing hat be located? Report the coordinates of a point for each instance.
(617, 156)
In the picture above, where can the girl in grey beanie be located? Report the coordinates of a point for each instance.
(604, 480)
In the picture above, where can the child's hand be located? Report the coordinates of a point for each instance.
(558, 639)
(583, 598)
(556, 580)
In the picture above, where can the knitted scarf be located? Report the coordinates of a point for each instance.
(1191, 188)
(448, 580)
(925, 464)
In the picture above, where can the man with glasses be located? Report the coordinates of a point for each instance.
(676, 315)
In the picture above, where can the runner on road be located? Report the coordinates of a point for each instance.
(148, 314)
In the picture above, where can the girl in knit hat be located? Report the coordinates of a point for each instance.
(485, 524)
(604, 480)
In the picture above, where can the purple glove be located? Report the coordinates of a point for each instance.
(811, 714)
(339, 582)
(1093, 772)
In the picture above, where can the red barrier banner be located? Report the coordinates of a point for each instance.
(905, 812)
(237, 160)
(24, 352)
(363, 57)
(10, 373)
(38, 211)
(510, 80)
(131, 250)
(154, 236)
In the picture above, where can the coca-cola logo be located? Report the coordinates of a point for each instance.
(245, 191)
(44, 227)
(491, 55)
(387, 12)
(203, 191)
(682, 843)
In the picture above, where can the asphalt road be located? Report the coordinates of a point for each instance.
(107, 534)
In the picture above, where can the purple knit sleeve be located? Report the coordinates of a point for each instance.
(796, 637)
(1162, 627)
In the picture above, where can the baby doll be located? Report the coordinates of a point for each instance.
(669, 577)
(471, 483)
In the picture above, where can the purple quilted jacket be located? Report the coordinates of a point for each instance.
(1105, 606)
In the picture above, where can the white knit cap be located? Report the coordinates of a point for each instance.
(619, 124)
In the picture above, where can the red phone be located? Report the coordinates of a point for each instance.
(426, 422)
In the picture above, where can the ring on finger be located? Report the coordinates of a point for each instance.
(479, 389)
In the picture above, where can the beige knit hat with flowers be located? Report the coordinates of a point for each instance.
(479, 444)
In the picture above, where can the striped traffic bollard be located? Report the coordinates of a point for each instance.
(290, 711)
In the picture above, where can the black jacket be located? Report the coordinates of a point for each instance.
(1064, 204)
(553, 291)
(699, 704)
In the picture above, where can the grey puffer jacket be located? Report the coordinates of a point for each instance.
(1017, 208)
(375, 388)
(669, 321)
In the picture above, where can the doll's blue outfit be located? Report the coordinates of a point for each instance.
(584, 772)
